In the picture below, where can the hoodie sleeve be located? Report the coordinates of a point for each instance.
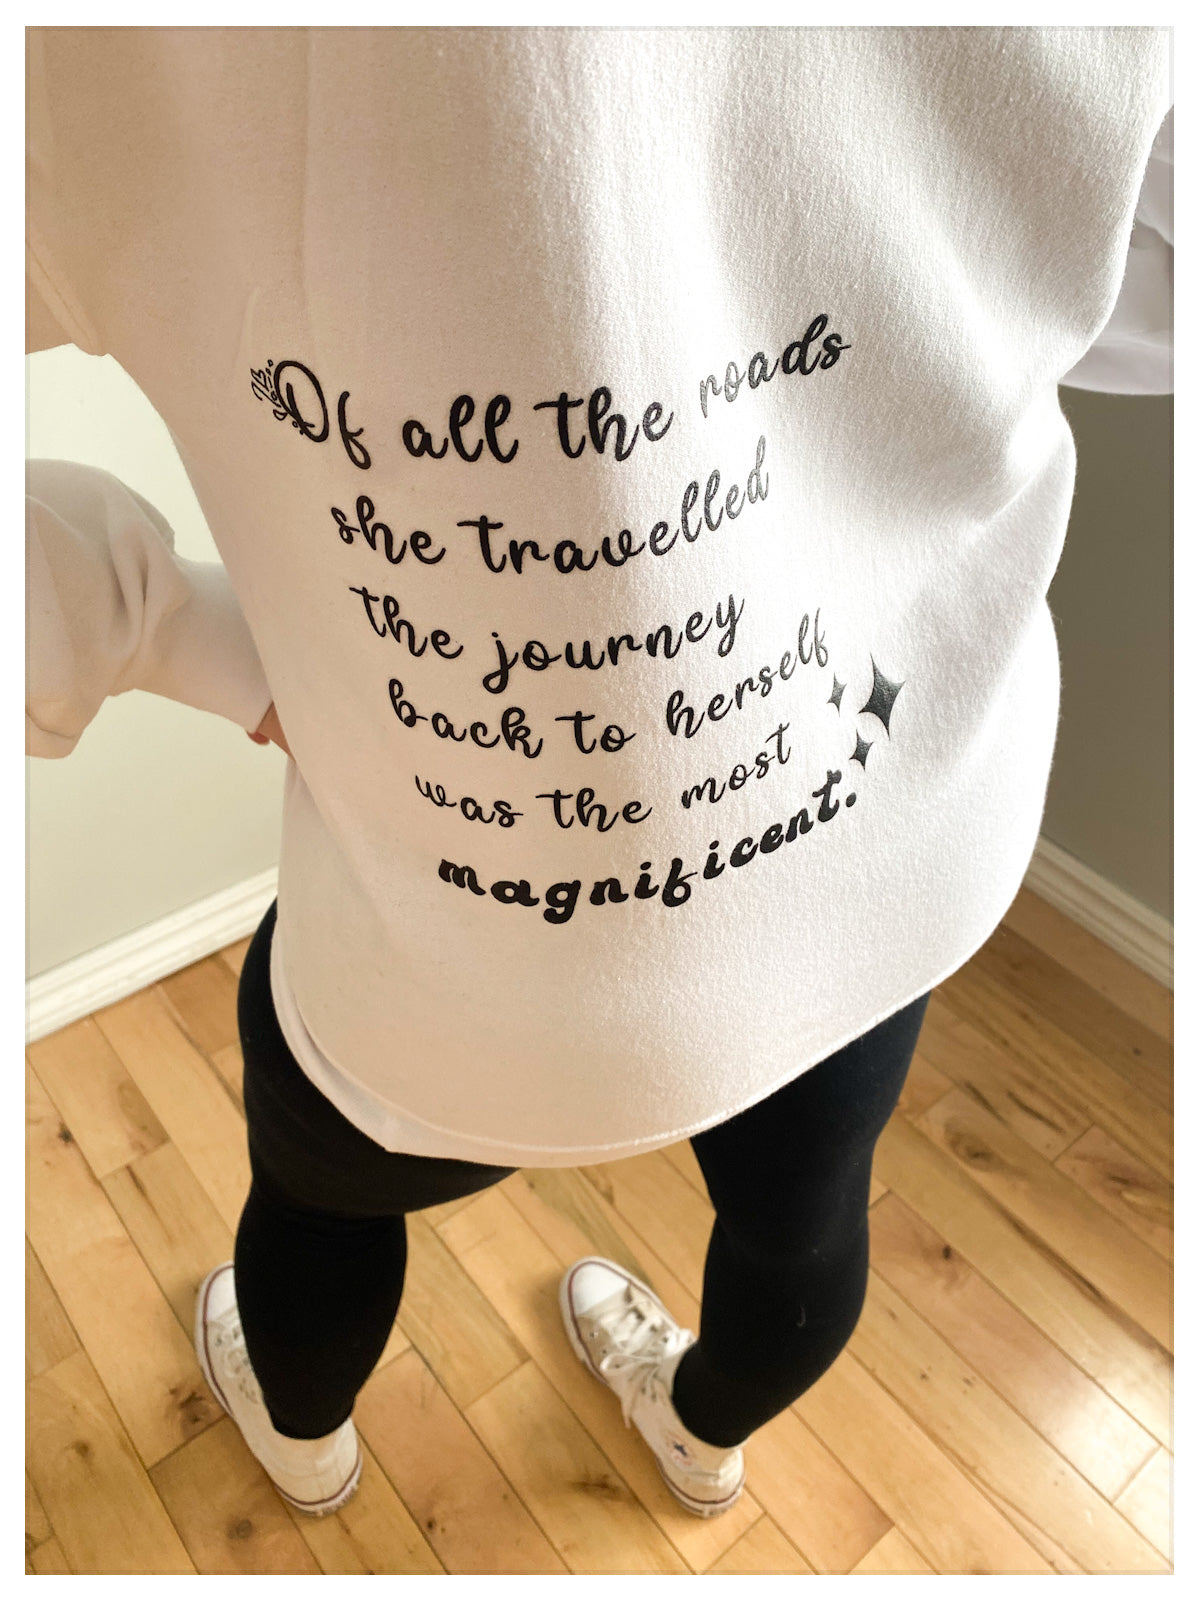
(1133, 354)
(111, 607)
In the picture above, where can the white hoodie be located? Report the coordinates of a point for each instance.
(638, 470)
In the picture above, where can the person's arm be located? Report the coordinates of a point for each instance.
(1133, 354)
(111, 607)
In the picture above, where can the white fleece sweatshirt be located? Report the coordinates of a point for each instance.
(638, 471)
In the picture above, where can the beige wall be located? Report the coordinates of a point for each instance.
(1110, 789)
(161, 806)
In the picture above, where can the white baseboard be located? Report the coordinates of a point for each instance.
(103, 976)
(122, 967)
(1123, 923)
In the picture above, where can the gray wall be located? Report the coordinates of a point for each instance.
(1109, 803)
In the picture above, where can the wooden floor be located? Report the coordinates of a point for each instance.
(1003, 1407)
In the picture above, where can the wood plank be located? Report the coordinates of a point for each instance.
(761, 1551)
(173, 1223)
(1146, 1501)
(49, 1336)
(944, 1515)
(660, 1203)
(227, 1512)
(104, 1511)
(47, 1560)
(1024, 1098)
(374, 1533)
(568, 1484)
(814, 1501)
(1003, 1294)
(1099, 1091)
(1090, 959)
(203, 1001)
(227, 1064)
(653, 1197)
(463, 1505)
(37, 1523)
(1109, 1347)
(463, 1341)
(892, 1557)
(185, 1095)
(1091, 1017)
(925, 1083)
(572, 1219)
(1020, 1362)
(436, 1215)
(178, 1233)
(397, 1344)
(99, 1101)
(683, 1158)
(1119, 1267)
(143, 1357)
(520, 1274)
(992, 1443)
(234, 955)
(1123, 1185)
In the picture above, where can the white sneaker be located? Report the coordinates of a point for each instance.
(626, 1337)
(316, 1476)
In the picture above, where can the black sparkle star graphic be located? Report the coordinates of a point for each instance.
(861, 746)
(883, 697)
(835, 699)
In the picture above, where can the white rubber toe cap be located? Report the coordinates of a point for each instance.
(591, 1282)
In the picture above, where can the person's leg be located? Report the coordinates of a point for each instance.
(321, 1246)
(786, 1271)
(317, 1295)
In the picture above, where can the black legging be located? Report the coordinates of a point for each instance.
(321, 1247)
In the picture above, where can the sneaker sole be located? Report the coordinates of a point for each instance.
(698, 1508)
(310, 1508)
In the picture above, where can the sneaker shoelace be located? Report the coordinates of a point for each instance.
(228, 1338)
(641, 1338)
